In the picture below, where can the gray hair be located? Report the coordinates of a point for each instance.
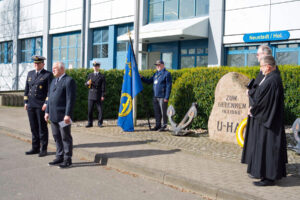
(266, 50)
(269, 60)
(60, 65)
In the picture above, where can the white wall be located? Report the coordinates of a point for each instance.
(6, 20)
(7, 77)
(66, 15)
(24, 68)
(31, 18)
(107, 12)
(251, 16)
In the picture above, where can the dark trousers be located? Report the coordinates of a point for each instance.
(91, 104)
(39, 129)
(63, 141)
(160, 111)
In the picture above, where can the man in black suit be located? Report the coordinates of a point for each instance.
(35, 100)
(62, 94)
(96, 85)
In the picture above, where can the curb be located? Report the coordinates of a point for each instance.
(183, 183)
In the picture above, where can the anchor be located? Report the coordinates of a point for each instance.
(296, 131)
(178, 130)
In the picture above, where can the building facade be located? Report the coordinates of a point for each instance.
(184, 33)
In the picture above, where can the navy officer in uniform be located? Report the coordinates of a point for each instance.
(35, 100)
(162, 85)
(96, 84)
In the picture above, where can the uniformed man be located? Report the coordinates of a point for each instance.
(162, 85)
(35, 100)
(96, 84)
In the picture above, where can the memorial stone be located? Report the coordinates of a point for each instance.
(230, 107)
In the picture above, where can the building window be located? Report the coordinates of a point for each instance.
(194, 57)
(246, 56)
(100, 43)
(6, 52)
(164, 10)
(30, 47)
(67, 48)
(122, 47)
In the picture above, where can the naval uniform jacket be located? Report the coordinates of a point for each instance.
(36, 88)
(162, 83)
(62, 97)
(97, 89)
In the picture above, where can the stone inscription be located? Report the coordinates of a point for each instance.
(230, 107)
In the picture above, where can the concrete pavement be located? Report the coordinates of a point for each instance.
(193, 163)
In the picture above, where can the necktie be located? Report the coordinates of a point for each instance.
(56, 81)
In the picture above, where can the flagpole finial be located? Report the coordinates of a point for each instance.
(129, 34)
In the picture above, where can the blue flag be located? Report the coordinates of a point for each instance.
(132, 85)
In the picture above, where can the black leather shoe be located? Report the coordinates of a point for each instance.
(42, 153)
(264, 182)
(32, 151)
(100, 125)
(89, 125)
(163, 128)
(156, 128)
(56, 161)
(65, 164)
(250, 176)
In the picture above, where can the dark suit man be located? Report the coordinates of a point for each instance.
(62, 94)
(162, 85)
(35, 100)
(96, 84)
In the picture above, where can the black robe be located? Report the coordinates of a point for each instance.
(249, 139)
(269, 154)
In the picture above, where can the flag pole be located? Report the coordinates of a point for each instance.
(136, 47)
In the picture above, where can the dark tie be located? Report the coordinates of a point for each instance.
(56, 81)
(36, 74)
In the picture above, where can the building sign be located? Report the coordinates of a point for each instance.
(266, 36)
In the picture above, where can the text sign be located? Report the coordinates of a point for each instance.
(266, 36)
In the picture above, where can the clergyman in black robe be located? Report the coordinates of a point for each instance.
(249, 140)
(269, 157)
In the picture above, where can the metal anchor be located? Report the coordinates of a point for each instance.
(178, 130)
(296, 131)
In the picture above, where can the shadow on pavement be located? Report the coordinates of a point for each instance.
(113, 144)
(103, 158)
(85, 164)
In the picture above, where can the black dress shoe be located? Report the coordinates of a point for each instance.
(65, 164)
(156, 128)
(42, 153)
(163, 128)
(250, 176)
(89, 125)
(32, 151)
(264, 182)
(56, 161)
(100, 125)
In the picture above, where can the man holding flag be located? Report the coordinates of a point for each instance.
(132, 85)
(162, 85)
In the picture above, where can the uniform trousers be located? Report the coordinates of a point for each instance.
(91, 104)
(39, 128)
(160, 111)
(63, 141)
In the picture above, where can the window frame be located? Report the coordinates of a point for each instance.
(163, 17)
(76, 60)
(195, 54)
(32, 49)
(100, 42)
(6, 52)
